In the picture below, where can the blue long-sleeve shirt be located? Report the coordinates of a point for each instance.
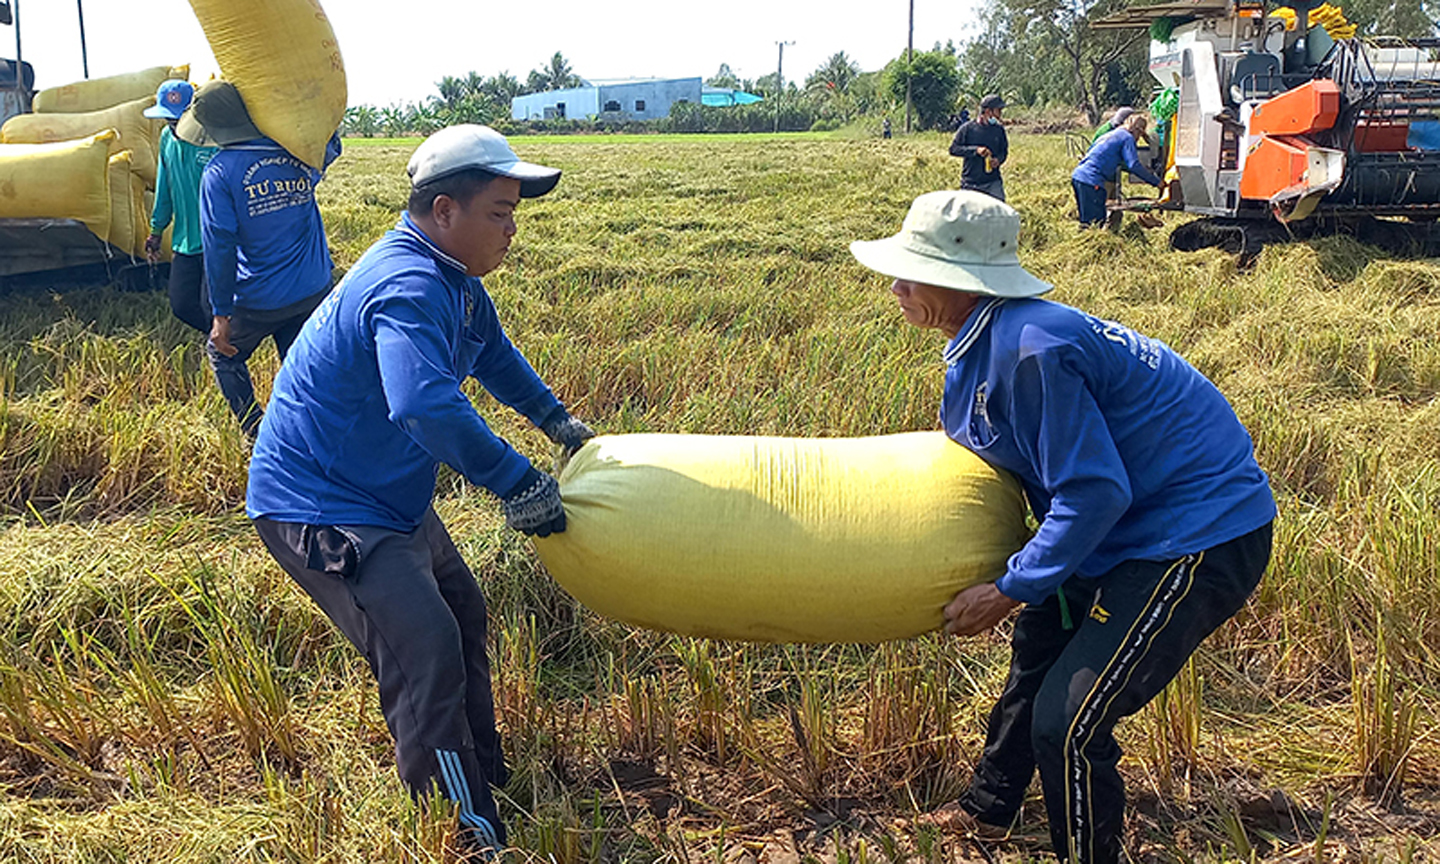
(264, 241)
(368, 401)
(1124, 450)
(1107, 154)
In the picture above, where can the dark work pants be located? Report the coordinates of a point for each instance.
(248, 328)
(1090, 201)
(411, 605)
(189, 292)
(1134, 629)
(995, 188)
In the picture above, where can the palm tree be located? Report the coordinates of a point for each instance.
(558, 75)
(835, 74)
(361, 120)
(392, 121)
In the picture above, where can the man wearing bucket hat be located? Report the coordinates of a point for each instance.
(266, 257)
(1154, 518)
(177, 199)
(364, 409)
(983, 145)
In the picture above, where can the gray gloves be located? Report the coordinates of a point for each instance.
(533, 506)
(568, 432)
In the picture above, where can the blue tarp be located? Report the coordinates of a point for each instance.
(725, 96)
(1424, 135)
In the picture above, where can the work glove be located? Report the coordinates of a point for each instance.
(568, 432)
(533, 507)
(152, 248)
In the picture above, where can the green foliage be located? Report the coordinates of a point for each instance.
(932, 80)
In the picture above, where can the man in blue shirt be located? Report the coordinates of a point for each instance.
(266, 257)
(1101, 162)
(1154, 517)
(363, 411)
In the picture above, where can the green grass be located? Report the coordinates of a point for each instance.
(166, 695)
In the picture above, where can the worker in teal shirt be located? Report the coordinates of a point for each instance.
(365, 409)
(177, 200)
(1154, 517)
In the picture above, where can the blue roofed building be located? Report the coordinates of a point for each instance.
(623, 100)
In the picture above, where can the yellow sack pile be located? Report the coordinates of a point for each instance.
(283, 58)
(68, 180)
(138, 134)
(129, 220)
(781, 539)
(98, 93)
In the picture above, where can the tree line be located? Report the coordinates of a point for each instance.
(1039, 53)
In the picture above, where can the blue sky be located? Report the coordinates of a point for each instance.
(394, 57)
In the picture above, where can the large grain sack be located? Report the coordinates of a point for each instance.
(283, 58)
(99, 93)
(68, 180)
(129, 222)
(781, 539)
(137, 133)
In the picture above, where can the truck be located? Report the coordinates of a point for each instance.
(1282, 123)
(55, 252)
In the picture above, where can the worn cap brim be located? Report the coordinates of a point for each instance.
(891, 257)
(535, 180)
(160, 112)
(189, 130)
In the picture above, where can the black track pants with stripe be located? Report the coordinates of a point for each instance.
(1134, 630)
(411, 605)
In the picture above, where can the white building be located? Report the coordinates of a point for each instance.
(614, 100)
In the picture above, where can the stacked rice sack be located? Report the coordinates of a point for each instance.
(89, 153)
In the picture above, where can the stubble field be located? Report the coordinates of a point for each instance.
(166, 695)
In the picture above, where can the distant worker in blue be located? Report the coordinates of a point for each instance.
(266, 257)
(177, 200)
(1106, 156)
(984, 147)
(1154, 517)
(365, 408)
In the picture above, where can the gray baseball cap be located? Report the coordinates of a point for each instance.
(471, 146)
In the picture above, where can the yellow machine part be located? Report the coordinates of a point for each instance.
(283, 58)
(68, 180)
(781, 539)
(137, 133)
(99, 93)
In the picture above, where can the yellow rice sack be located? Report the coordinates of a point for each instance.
(129, 222)
(68, 180)
(137, 133)
(781, 539)
(96, 94)
(283, 58)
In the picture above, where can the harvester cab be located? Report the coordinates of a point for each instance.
(1278, 116)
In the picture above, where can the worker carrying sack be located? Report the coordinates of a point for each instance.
(67, 180)
(97, 94)
(781, 539)
(283, 58)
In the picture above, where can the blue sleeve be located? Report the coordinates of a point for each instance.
(164, 209)
(506, 373)
(1002, 152)
(424, 398)
(220, 238)
(332, 151)
(1134, 165)
(1062, 434)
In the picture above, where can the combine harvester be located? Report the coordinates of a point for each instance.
(1278, 123)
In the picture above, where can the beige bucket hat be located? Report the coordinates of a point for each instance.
(956, 239)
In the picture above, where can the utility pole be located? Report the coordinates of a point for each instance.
(20, 89)
(84, 57)
(910, 66)
(780, 82)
